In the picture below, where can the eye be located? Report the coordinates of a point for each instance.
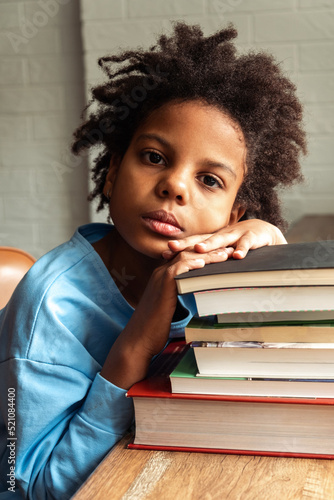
(211, 181)
(153, 157)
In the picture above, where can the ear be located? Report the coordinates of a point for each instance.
(111, 176)
(236, 213)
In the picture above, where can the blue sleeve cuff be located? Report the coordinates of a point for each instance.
(107, 407)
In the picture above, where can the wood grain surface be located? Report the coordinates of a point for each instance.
(160, 475)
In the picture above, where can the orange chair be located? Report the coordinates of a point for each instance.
(14, 264)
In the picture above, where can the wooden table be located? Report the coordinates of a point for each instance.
(159, 475)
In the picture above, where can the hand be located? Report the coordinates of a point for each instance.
(235, 240)
(147, 331)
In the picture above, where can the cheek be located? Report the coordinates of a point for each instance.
(124, 193)
(133, 186)
(211, 220)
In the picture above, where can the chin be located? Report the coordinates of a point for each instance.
(156, 255)
(153, 251)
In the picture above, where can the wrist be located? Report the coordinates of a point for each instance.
(125, 365)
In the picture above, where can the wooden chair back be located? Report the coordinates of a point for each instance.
(14, 263)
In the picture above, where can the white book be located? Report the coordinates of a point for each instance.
(265, 360)
(265, 299)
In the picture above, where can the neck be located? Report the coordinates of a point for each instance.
(129, 268)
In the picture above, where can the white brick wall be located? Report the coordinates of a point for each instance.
(160, 8)
(42, 191)
(300, 33)
(295, 26)
(42, 87)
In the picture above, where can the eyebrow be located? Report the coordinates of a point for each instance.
(224, 166)
(155, 137)
(229, 170)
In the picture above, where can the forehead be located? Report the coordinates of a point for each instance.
(197, 128)
(195, 115)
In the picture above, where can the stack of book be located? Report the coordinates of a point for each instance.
(256, 372)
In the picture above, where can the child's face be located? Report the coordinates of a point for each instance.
(179, 177)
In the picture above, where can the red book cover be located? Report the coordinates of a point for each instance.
(133, 446)
(157, 385)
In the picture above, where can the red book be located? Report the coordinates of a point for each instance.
(295, 427)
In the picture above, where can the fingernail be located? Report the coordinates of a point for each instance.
(167, 253)
(175, 242)
(203, 245)
(240, 252)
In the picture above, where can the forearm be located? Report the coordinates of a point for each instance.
(147, 332)
(131, 354)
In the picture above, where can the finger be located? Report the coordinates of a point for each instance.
(210, 257)
(184, 266)
(245, 243)
(176, 245)
(214, 255)
(229, 251)
(240, 253)
(191, 263)
(168, 254)
(241, 247)
(206, 242)
(238, 238)
(217, 256)
(179, 245)
(221, 240)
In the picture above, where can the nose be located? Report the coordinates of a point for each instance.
(174, 185)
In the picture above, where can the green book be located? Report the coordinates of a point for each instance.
(187, 369)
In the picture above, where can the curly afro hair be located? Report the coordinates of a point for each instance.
(184, 66)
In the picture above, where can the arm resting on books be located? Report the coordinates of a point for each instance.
(147, 331)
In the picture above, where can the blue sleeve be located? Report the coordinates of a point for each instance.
(65, 425)
(68, 417)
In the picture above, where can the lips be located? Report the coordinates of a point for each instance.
(162, 222)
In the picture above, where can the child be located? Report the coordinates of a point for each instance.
(194, 139)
